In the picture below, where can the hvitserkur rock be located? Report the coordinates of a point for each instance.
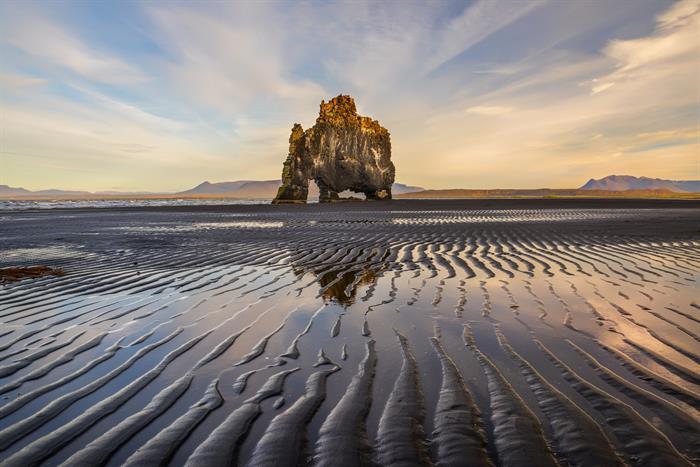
(342, 151)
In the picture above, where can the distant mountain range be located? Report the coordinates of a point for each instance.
(227, 187)
(545, 193)
(9, 192)
(241, 189)
(628, 182)
(268, 189)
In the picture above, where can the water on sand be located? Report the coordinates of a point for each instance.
(421, 332)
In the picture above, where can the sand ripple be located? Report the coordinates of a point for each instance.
(335, 335)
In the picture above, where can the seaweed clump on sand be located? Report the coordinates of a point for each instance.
(15, 274)
(342, 151)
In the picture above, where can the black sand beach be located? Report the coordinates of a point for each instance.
(453, 332)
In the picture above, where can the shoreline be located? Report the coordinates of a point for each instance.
(399, 204)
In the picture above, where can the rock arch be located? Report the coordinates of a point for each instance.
(342, 151)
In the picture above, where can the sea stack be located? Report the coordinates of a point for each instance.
(342, 151)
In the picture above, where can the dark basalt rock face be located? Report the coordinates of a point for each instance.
(342, 151)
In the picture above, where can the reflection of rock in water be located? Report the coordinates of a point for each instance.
(342, 285)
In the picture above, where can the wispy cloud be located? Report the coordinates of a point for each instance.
(673, 47)
(129, 112)
(229, 58)
(477, 21)
(490, 110)
(10, 81)
(601, 87)
(51, 44)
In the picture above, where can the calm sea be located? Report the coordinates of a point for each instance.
(21, 205)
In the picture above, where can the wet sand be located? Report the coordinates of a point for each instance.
(414, 332)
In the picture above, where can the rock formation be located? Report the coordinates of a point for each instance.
(342, 151)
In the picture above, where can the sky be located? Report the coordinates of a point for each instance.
(160, 96)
